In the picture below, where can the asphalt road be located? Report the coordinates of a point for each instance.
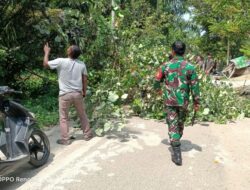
(215, 157)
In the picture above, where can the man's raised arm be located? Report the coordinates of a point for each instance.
(46, 50)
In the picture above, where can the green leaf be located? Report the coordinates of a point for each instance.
(116, 113)
(113, 97)
(99, 131)
(241, 116)
(120, 15)
(107, 126)
(124, 96)
(101, 106)
(120, 126)
(116, 8)
(58, 39)
(206, 111)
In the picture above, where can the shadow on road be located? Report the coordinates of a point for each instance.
(124, 136)
(204, 124)
(186, 145)
(22, 175)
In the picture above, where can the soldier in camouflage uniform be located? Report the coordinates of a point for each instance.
(180, 79)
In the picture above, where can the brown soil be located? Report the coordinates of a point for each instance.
(241, 78)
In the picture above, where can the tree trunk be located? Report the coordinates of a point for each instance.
(113, 14)
(228, 51)
(132, 3)
(159, 6)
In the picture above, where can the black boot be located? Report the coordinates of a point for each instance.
(176, 156)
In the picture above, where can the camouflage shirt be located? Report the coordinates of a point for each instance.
(180, 78)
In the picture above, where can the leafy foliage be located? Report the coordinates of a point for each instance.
(224, 25)
(45, 109)
(219, 102)
(121, 56)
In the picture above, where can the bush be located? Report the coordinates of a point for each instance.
(45, 109)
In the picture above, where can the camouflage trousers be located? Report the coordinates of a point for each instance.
(175, 119)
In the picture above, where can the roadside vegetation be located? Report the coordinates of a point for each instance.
(122, 51)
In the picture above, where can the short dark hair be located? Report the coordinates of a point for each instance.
(179, 48)
(170, 56)
(75, 51)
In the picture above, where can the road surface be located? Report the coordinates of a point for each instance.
(215, 157)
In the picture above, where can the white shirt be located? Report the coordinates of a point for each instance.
(70, 73)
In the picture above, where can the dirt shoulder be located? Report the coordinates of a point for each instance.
(233, 150)
(241, 78)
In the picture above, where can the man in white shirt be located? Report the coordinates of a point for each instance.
(72, 79)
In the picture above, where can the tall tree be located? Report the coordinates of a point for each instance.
(224, 23)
